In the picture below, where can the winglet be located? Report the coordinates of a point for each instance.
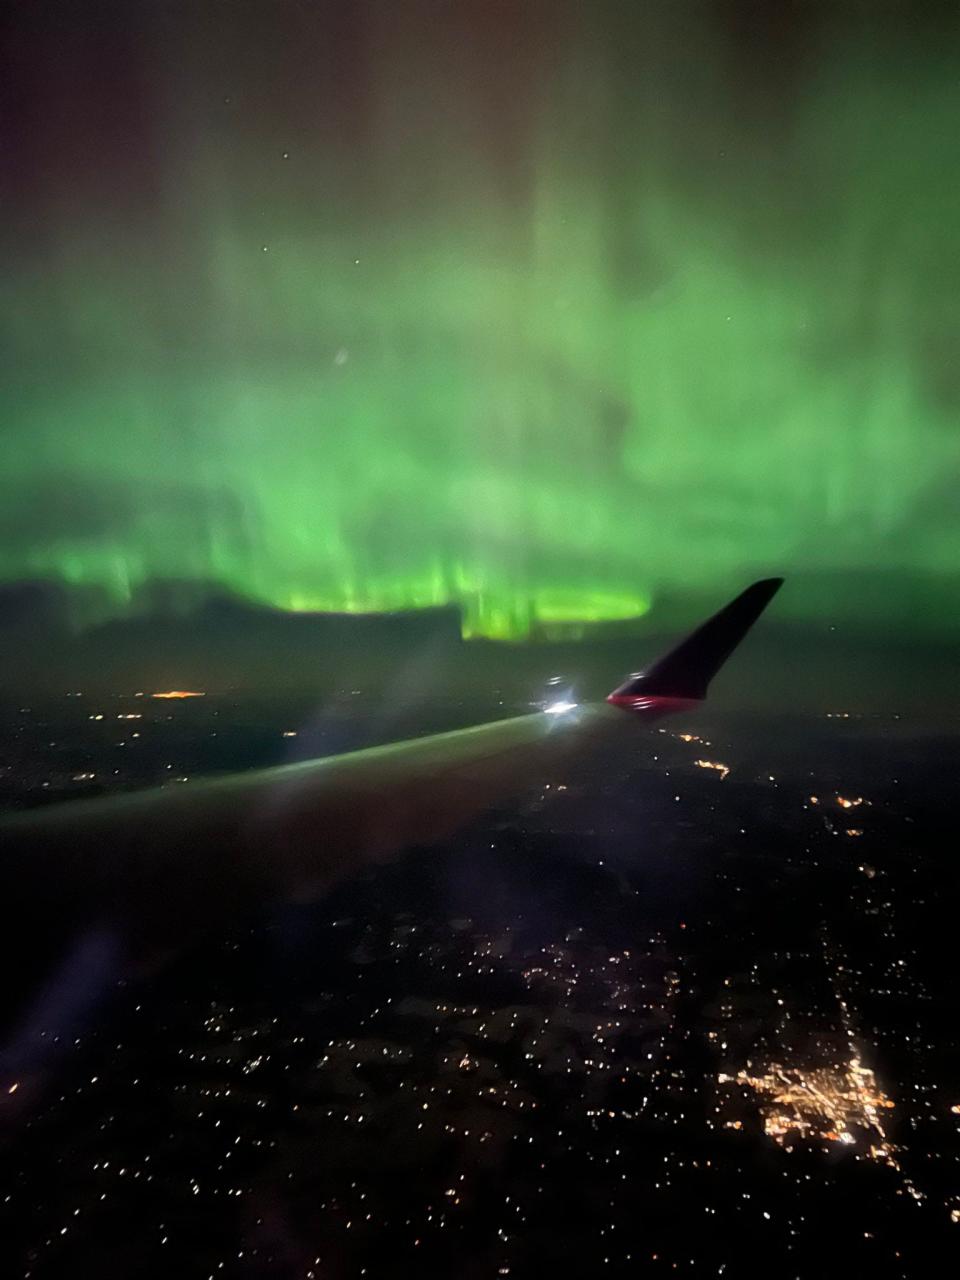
(680, 678)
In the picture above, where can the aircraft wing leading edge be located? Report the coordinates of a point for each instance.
(158, 866)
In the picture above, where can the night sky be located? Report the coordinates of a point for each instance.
(547, 310)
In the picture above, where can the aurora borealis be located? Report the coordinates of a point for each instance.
(541, 309)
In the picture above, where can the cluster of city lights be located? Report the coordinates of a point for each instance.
(836, 1103)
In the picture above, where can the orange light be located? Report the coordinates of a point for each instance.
(722, 769)
(179, 693)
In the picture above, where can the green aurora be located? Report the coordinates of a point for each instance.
(541, 311)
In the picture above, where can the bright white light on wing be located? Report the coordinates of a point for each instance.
(558, 708)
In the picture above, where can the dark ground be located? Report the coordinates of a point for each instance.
(654, 1019)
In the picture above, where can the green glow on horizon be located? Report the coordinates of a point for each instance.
(688, 355)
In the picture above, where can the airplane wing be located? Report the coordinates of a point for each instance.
(155, 868)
